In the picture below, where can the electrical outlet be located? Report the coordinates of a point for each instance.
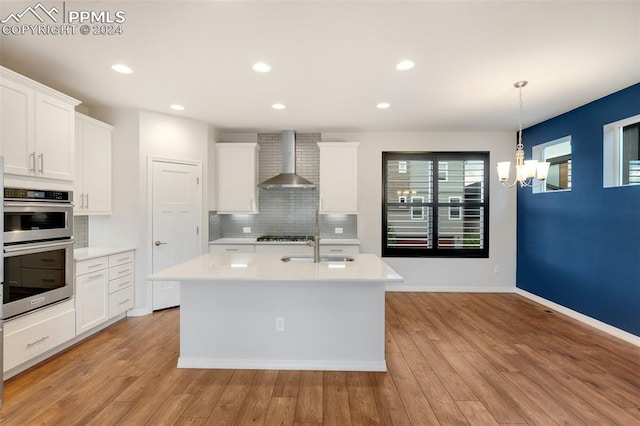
(279, 324)
(246, 230)
(338, 230)
(497, 269)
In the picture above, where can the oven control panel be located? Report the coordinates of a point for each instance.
(22, 194)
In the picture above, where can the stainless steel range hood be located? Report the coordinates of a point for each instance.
(288, 178)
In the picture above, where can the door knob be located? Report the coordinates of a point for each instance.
(159, 243)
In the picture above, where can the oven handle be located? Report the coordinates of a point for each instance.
(29, 204)
(35, 247)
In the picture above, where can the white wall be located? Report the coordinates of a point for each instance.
(437, 274)
(139, 135)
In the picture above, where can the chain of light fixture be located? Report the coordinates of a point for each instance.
(526, 170)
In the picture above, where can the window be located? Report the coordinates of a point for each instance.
(558, 153)
(622, 152)
(435, 204)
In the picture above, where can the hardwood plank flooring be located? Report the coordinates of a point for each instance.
(453, 358)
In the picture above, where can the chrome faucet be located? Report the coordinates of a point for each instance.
(316, 238)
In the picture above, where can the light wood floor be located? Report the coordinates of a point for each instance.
(452, 359)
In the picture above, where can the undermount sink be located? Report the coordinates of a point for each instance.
(334, 258)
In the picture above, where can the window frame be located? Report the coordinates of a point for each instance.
(612, 152)
(538, 153)
(435, 204)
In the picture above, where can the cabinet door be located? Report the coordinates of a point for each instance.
(54, 146)
(237, 177)
(338, 177)
(92, 300)
(16, 127)
(96, 177)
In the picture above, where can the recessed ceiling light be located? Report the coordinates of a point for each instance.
(405, 65)
(121, 68)
(261, 67)
(383, 105)
(177, 107)
(278, 106)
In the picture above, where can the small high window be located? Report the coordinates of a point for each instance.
(622, 152)
(558, 153)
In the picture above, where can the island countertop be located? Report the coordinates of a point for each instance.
(268, 267)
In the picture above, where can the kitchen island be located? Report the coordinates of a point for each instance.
(254, 311)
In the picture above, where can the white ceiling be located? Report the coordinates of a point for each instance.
(333, 61)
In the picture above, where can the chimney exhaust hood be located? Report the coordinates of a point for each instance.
(288, 178)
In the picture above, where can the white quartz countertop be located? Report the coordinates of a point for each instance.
(323, 241)
(219, 267)
(87, 253)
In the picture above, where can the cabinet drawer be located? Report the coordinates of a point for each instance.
(120, 259)
(120, 271)
(285, 249)
(339, 249)
(120, 283)
(29, 342)
(120, 301)
(91, 265)
(231, 248)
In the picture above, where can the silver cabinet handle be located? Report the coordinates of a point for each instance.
(87, 199)
(42, 339)
(32, 162)
(159, 243)
(41, 158)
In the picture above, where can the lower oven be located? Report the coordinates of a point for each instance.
(38, 249)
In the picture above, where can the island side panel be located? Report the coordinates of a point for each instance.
(327, 325)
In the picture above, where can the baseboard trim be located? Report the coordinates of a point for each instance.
(448, 289)
(277, 364)
(609, 329)
(139, 312)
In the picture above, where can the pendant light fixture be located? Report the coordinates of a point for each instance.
(526, 170)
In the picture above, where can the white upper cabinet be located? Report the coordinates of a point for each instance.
(17, 130)
(338, 177)
(37, 136)
(237, 177)
(93, 166)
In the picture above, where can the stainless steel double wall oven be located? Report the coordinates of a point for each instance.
(38, 249)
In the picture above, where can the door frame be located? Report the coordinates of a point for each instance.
(149, 240)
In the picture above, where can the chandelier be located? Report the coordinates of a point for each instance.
(526, 170)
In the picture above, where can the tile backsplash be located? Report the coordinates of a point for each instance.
(81, 231)
(285, 211)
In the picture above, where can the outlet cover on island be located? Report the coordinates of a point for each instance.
(246, 230)
(338, 230)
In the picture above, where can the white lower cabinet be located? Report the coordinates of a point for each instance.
(33, 334)
(121, 273)
(285, 249)
(91, 295)
(104, 289)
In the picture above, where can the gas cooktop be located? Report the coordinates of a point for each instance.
(285, 238)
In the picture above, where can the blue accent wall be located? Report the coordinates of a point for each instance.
(581, 248)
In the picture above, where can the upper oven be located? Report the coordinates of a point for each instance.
(31, 215)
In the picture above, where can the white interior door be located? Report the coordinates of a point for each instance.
(176, 204)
